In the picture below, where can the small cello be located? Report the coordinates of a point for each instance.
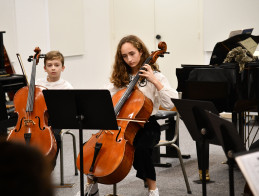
(108, 155)
(31, 127)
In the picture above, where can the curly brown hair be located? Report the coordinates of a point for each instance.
(121, 70)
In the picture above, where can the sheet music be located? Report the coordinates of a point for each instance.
(247, 31)
(249, 165)
(233, 33)
(243, 31)
(249, 44)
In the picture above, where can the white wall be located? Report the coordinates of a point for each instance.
(92, 70)
(66, 26)
(31, 31)
(223, 16)
(8, 24)
(26, 23)
(27, 26)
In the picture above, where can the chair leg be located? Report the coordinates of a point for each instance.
(74, 147)
(62, 185)
(61, 161)
(183, 168)
(114, 189)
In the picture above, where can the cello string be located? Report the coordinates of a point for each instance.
(30, 98)
(128, 91)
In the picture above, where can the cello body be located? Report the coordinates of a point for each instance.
(115, 158)
(32, 124)
(35, 123)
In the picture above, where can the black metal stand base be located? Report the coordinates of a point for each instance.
(64, 185)
(200, 182)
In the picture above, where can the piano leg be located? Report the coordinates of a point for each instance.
(234, 118)
(239, 122)
(3, 112)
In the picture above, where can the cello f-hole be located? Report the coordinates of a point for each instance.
(118, 140)
(39, 123)
(20, 125)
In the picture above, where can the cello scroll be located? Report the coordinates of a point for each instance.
(159, 53)
(36, 56)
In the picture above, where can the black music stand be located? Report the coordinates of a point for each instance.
(230, 141)
(80, 109)
(192, 114)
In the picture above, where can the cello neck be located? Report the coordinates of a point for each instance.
(30, 99)
(130, 88)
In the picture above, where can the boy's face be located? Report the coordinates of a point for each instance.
(54, 68)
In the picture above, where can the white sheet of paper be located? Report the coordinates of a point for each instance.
(249, 165)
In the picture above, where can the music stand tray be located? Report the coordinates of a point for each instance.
(95, 105)
(226, 134)
(230, 141)
(80, 109)
(192, 114)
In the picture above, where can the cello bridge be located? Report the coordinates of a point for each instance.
(29, 122)
(108, 131)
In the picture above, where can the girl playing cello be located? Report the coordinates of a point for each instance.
(131, 54)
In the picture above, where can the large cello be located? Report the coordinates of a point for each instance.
(32, 124)
(108, 155)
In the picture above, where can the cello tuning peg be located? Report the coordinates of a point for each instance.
(30, 58)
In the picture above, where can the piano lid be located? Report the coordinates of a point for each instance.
(221, 49)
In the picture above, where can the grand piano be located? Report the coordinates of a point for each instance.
(223, 83)
(9, 84)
